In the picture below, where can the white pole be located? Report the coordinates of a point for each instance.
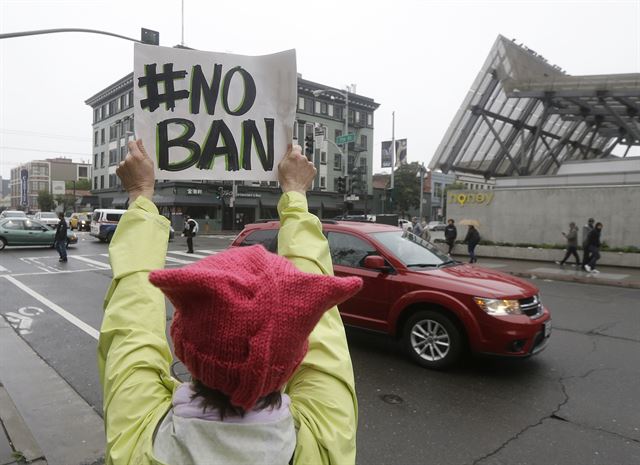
(393, 144)
(182, 41)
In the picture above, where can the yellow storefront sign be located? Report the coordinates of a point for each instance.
(475, 198)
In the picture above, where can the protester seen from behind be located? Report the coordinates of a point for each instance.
(572, 245)
(415, 227)
(450, 235)
(60, 240)
(272, 380)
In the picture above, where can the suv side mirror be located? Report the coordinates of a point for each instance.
(375, 262)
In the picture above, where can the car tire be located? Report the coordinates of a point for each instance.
(3, 243)
(433, 340)
(109, 237)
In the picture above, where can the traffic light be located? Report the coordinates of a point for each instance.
(308, 147)
(342, 185)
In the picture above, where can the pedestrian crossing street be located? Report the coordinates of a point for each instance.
(77, 263)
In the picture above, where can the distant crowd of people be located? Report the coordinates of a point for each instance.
(591, 244)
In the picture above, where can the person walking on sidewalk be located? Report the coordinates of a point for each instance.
(260, 334)
(572, 244)
(190, 230)
(586, 229)
(593, 245)
(415, 227)
(450, 235)
(472, 239)
(60, 240)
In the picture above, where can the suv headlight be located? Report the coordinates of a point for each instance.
(498, 306)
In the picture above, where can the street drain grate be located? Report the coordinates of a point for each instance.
(392, 399)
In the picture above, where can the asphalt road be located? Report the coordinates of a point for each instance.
(575, 403)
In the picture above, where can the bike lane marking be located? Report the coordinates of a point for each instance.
(77, 322)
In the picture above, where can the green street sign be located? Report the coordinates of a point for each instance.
(345, 139)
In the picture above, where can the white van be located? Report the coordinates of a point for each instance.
(104, 222)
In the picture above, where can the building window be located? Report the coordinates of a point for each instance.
(317, 107)
(335, 184)
(101, 159)
(113, 157)
(308, 105)
(437, 189)
(130, 98)
(363, 162)
(369, 119)
(351, 116)
(95, 182)
(323, 108)
(113, 132)
(123, 152)
(102, 182)
(112, 180)
(337, 161)
(83, 171)
(96, 115)
(113, 107)
(363, 140)
(123, 102)
(103, 112)
(300, 103)
(323, 182)
(102, 136)
(131, 124)
(357, 116)
(323, 158)
(295, 130)
(95, 138)
(95, 160)
(338, 134)
(330, 110)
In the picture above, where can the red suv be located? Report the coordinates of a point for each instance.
(437, 307)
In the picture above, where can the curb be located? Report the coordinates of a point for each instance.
(20, 437)
(575, 279)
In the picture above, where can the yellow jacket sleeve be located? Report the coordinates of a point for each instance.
(133, 354)
(322, 390)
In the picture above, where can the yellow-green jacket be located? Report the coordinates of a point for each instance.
(134, 356)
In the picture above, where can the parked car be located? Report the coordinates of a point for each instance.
(48, 218)
(80, 221)
(13, 214)
(104, 222)
(404, 224)
(24, 231)
(436, 226)
(436, 307)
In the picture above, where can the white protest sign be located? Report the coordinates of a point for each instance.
(214, 116)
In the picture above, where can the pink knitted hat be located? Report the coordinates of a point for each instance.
(242, 318)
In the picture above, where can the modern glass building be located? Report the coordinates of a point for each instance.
(524, 116)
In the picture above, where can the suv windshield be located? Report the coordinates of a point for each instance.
(411, 250)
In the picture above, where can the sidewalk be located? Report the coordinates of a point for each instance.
(608, 276)
(17, 445)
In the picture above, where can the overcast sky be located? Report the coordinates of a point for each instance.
(418, 58)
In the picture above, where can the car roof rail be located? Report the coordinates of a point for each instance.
(264, 221)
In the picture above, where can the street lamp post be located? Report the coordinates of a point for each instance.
(421, 173)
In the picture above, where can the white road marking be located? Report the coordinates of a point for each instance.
(94, 333)
(101, 265)
(210, 252)
(174, 261)
(40, 273)
(2, 268)
(191, 255)
(178, 261)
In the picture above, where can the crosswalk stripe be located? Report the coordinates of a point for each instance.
(102, 265)
(177, 260)
(191, 255)
(210, 252)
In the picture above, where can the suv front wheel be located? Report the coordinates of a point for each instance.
(432, 340)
